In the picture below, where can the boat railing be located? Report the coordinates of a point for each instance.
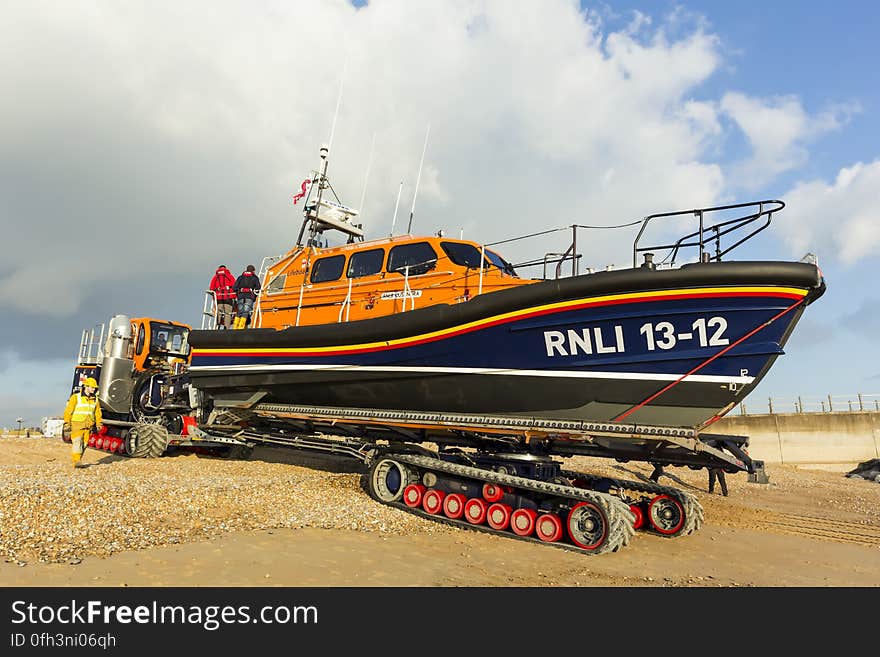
(268, 261)
(757, 216)
(209, 311)
(570, 254)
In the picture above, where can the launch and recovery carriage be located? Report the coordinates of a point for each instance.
(461, 385)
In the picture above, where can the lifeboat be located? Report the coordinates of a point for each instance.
(428, 323)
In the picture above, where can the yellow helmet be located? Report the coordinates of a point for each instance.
(90, 383)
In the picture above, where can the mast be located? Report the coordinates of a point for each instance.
(323, 214)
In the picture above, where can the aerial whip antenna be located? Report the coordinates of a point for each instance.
(325, 154)
(338, 102)
(321, 174)
(367, 175)
(418, 178)
(396, 205)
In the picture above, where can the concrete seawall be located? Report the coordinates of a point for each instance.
(807, 438)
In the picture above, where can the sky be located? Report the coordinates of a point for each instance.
(144, 143)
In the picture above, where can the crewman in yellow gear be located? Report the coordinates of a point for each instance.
(82, 414)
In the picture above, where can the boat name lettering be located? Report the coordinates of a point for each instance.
(586, 340)
(664, 335)
(401, 295)
(658, 335)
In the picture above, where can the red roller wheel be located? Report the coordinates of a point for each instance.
(665, 514)
(492, 492)
(115, 444)
(522, 521)
(91, 440)
(587, 525)
(548, 527)
(432, 502)
(498, 516)
(475, 511)
(413, 494)
(639, 514)
(453, 505)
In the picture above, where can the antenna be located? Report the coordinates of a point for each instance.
(367, 175)
(321, 174)
(338, 102)
(396, 205)
(418, 179)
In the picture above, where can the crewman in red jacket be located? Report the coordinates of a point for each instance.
(224, 296)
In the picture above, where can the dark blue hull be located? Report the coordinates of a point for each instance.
(583, 350)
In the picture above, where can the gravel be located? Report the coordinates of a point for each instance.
(50, 512)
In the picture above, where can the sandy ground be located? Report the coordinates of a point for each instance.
(804, 528)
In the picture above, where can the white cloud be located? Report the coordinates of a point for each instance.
(837, 221)
(778, 130)
(166, 136)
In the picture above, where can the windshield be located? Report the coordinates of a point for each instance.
(463, 255)
(169, 339)
(501, 263)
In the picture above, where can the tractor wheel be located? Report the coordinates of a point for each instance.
(146, 441)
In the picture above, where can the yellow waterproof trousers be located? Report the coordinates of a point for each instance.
(79, 438)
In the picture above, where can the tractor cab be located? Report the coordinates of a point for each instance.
(159, 345)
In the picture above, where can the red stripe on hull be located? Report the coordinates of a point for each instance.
(507, 320)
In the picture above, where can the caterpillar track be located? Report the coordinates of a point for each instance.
(570, 510)
(665, 510)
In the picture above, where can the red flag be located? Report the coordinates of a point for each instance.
(302, 193)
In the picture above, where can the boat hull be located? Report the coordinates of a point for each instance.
(674, 348)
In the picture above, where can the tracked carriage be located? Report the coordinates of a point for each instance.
(462, 386)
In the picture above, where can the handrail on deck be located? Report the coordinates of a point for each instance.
(721, 228)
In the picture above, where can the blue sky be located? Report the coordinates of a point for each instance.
(144, 143)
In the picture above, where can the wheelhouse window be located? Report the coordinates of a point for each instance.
(463, 255)
(418, 256)
(276, 284)
(501, 263)
(328, 269)
(366, 263)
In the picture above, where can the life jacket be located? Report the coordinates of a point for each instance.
(84, 409)
(222, 284)
(248, 284)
